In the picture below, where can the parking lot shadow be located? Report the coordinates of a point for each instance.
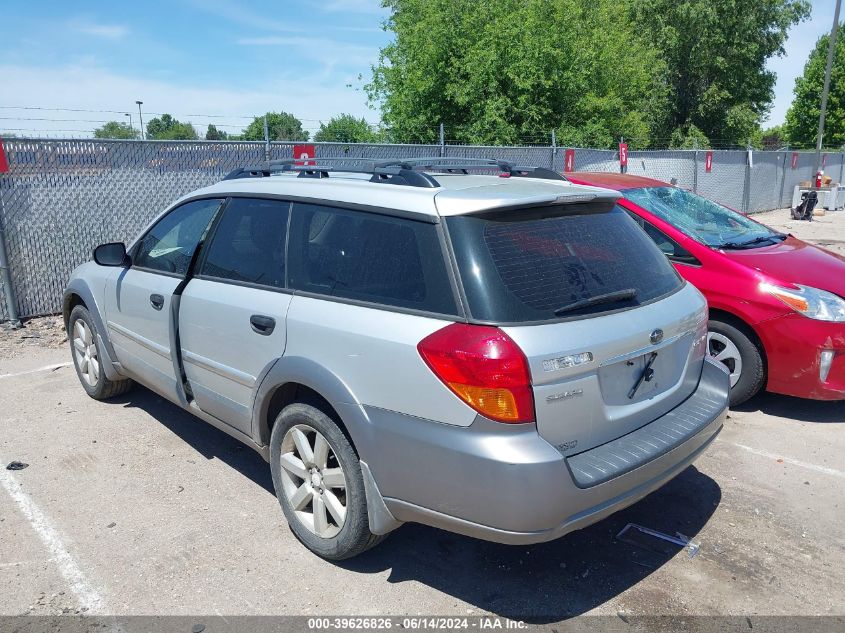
(795, 408)
(204, 438)
(551, 581)
(538, 583)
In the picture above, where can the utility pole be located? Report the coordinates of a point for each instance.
(141, 119)
(831, 48)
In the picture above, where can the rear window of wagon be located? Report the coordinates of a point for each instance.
(535, 264)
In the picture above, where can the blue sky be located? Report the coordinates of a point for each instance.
(221, 57)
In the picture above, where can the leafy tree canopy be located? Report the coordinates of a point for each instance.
(648, 70)
(168, 128)
(802, 119)
(281, 126)
(115, 129)
(688, 137)
(512, 70)
(715, 54)
(345, 128)
(213, 134)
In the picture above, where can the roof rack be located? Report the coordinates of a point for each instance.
(400, 171)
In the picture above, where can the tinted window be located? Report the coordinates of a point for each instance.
(170, 244)
(249, 243)
(355, 255)
(536, 264)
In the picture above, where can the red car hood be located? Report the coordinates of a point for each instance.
(796, 262)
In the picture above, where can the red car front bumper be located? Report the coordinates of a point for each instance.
(794, 345)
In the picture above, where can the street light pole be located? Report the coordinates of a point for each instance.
(830, 51)
(141, 119)
(130, 119)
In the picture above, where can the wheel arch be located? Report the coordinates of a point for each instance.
(78, 292)
(298, 379)
(725, 316)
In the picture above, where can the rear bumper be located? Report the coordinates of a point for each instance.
(795, 347)
(507, 484)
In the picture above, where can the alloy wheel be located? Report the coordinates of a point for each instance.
(85, 353)
(724, 350)
(313, 481)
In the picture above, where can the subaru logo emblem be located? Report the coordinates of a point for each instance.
(656, 336)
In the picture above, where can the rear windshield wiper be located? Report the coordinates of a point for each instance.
(610, 297)
(756, 240)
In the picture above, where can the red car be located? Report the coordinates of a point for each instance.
(777, 313)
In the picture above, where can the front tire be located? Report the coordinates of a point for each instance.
(87, 357)
(318, 481)
(741, 356)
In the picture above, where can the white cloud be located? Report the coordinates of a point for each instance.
(86, 87)
(106, 31)
(329, 52)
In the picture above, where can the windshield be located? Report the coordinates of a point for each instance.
(700, 218)
(557, 262)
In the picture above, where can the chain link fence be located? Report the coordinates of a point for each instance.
(61, 198)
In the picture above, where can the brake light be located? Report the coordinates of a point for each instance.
(484, 368)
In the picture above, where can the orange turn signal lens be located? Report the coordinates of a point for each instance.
(496, 404)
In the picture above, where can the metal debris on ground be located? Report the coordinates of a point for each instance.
(629, 534)
(16, 465)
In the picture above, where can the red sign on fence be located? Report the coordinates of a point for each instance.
(569, 161)
(708, 162)
(4, 164)
(304, 151)
(623, 154)
(794, 160)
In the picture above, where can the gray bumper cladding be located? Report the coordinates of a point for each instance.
(624, 454)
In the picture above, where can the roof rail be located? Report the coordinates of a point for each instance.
(400, 171)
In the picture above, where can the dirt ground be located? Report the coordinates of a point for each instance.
(135, 507)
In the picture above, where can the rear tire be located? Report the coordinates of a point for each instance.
(742, 357)
(318, 481)
(87, 357)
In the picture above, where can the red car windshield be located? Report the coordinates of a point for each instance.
(701, 219)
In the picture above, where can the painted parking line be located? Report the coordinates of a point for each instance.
(37, 369)
(89, 598)
(788, 460)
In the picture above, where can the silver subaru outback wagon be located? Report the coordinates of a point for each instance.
(480, 347)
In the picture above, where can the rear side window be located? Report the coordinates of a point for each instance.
(248, 244)
(368, 257)
(542, 264)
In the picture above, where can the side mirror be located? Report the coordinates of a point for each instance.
(112, 254)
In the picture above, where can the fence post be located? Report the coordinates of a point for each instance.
(783, 176)
(554, 150)
(842, 170)
(442, 141)
(695, 166)
(746, 187)
(6, 275)
(266, 140)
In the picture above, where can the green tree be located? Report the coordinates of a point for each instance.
(168, 128)
(281, 125)
(688, 137)
(715, 54)
(115, 129)
(512, 70)
(345, 128)
(213, 134)
(773, 138)
(802, 119)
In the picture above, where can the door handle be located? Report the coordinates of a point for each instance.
(157, 301)
(263, 325)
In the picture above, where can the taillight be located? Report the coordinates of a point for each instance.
(485, 369)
